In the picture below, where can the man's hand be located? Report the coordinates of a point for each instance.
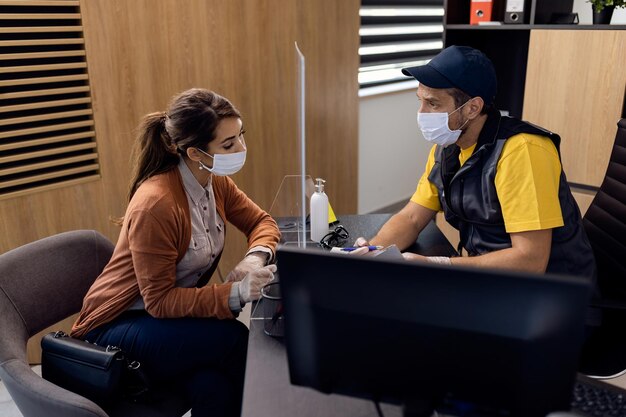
(414, 257)
(361, 241)
(251, 262)
(362, 244)
(408, 256)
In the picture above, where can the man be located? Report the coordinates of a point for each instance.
(498, 180)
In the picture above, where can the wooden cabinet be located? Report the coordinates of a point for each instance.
(566, 78)
(508, 45)
(575, 86)
(141, 52)
(505, 44)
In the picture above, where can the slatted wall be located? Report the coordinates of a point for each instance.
(47, 135)
(141, 52)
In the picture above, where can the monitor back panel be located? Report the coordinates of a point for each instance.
(397, 331)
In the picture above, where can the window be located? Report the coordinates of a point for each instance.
(396, 34)
(47, 136)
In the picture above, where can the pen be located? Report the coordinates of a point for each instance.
(371, 248)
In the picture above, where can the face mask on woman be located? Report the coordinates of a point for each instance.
(434, 127)
(225, 163)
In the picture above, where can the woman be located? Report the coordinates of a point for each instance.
(151, 299)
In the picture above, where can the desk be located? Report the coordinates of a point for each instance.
(267, 390)
(431, 241)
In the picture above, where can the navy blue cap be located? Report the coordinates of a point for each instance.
(461, 67)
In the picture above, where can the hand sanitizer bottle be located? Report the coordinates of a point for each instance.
(319, 212)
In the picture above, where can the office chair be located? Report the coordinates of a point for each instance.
(42, 283)
(605, 224)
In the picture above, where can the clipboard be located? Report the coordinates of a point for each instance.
(391, 252)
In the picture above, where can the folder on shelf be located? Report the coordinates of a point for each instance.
(514, 11)
(480, 11)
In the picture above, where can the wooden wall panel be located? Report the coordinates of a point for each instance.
(575, 86)
(142, 52)
(583, 199)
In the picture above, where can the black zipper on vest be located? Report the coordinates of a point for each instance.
(466, 167)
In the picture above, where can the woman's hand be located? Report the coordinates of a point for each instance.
(251, 262)
(250, 286)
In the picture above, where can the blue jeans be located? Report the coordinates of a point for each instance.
(204, 358)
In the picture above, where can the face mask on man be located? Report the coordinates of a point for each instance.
(434, 127)
(225, 163)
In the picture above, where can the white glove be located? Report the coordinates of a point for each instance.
(250, 286)
(252, 261)
(362, 244)
(361, 241)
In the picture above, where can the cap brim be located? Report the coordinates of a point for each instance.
(428, 76)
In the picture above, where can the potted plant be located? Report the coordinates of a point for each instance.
(603, 10)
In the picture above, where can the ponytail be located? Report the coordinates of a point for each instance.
(153, 152)
(191, 121)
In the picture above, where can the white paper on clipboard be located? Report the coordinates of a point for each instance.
(390, 252)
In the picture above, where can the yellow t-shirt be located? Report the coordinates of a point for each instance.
(527, 183)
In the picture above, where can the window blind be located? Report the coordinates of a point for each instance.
(396, 34)
(47, 136)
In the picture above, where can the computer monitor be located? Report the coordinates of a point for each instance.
(466, 340)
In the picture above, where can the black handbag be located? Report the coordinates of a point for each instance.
(102, 374)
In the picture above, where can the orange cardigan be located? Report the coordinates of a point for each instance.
(155, 236)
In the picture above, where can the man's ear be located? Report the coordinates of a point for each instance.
(475, 106)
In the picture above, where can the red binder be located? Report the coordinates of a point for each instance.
(480, 11)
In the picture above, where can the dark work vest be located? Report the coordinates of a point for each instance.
(470, 203)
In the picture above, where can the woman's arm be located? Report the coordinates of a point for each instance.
(238, 209)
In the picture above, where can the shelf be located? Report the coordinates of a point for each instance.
(488, 27)
(507, 44)
(530, 27)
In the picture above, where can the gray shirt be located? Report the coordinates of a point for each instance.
(207, 238)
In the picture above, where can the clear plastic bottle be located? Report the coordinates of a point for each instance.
(319, 212)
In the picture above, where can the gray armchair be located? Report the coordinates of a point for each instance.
(42, 283)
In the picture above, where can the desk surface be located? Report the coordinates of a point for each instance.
(431, 241)
(267, 390)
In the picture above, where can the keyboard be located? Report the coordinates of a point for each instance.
(595, 398)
